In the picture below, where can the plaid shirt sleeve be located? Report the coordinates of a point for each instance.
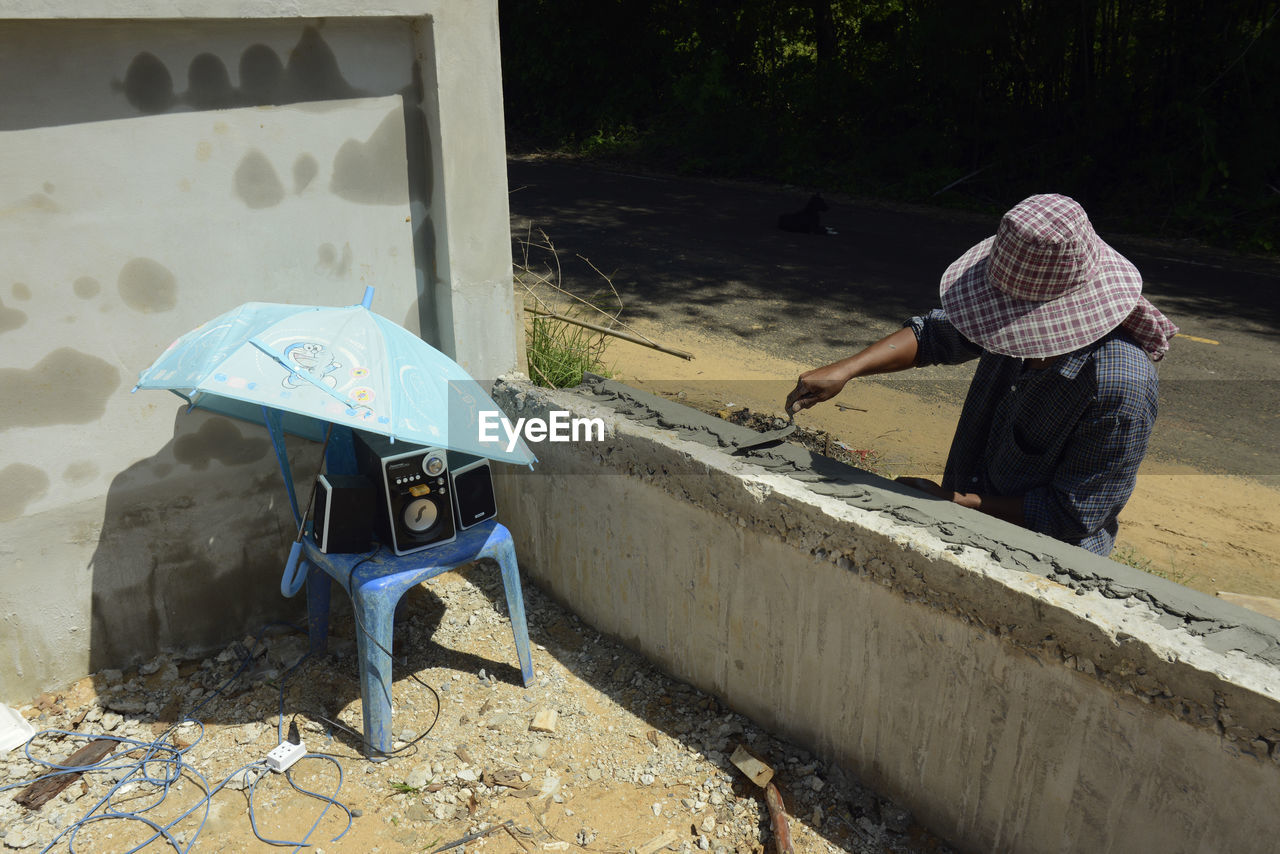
(940, 343)
(1099, 466)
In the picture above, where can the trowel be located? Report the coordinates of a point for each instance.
(764, 440)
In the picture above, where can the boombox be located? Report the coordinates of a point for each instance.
(424, 495)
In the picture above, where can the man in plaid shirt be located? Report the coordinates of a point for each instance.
(1063, 400)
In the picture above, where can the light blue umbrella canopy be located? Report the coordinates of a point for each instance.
(311, 366)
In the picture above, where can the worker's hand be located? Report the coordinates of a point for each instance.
(925, 485)
(816, 386)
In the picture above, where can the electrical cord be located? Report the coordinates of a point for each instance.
(296, 738)
(136, 768)
(329, 801)
(162, 765)
(169, 758)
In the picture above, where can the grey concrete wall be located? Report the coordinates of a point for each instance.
(160, 164)
(1017, 693)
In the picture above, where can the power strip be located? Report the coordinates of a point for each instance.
(284, 754)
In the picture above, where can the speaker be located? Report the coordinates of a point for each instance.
(415, 508)
(342, 522)
(473, 500)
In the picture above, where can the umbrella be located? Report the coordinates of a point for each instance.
(305, 367)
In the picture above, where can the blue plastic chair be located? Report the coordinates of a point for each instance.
(377, 581)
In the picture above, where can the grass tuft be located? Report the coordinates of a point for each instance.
(559, 352)
(1129, 556)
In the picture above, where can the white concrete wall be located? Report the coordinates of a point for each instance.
(1016, 693)
(161, 163)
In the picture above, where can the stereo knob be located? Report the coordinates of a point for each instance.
(420, 515)
(433, 464)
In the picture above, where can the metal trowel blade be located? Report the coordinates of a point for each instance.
(764, 440)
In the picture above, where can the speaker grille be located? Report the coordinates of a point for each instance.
(473, 492)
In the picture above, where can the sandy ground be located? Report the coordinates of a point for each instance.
(601, 754)
(1212, 533)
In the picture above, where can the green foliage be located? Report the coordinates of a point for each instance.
(559, 350)
(1160, 117)
(1129, 556)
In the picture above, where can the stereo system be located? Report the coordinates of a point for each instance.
(423, 495)
(415, 510)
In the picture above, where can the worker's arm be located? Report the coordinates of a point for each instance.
(929, 339)
(895, 352)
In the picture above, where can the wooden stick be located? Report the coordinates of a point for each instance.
(778, 819)
(38, 793)
(625, 336)
(472, 836)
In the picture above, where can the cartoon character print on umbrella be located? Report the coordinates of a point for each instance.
(322, 362)
(315, 359)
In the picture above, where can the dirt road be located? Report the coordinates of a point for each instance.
(707, 256)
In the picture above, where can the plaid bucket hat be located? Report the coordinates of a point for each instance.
(1045, 284)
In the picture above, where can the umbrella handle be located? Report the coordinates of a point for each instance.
(295, 572)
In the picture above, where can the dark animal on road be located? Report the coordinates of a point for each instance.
(805, 220)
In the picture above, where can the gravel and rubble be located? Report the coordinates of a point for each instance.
(602, 753)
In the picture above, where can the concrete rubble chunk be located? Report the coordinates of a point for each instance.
(757, 771)
(18, 838)
(153, 665)
(657, 843)
(550, 786)
(127, 705)
(544, 721)
(418, 777)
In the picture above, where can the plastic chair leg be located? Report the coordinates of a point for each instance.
(376, 609)
(505, 555)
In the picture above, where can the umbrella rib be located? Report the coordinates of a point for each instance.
(302, 375)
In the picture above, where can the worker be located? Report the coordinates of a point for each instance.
(1062, 403)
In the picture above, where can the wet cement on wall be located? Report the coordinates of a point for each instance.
(1223, 628)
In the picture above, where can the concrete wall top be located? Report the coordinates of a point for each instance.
(1204, 660)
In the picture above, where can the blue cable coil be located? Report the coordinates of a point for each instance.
(162, 765)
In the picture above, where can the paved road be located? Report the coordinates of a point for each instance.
(708, 254)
